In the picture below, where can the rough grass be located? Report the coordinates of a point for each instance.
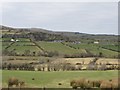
(87, 60)
(26, 59)
(51, 79)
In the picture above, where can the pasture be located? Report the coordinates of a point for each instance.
(51, 79)
(25, 48)
(96, 49)
(66, 48)
(59, 47)
(112, 47)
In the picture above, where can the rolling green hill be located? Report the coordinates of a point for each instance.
(34, 41)
(25, 46)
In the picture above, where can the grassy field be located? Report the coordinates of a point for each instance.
(51, 79)
(25, 44)
(95, 49)
(21, 47)
(111, 47)
(5, 44)
(57, 46)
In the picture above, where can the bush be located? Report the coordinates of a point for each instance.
(52, 53)
(82, 83)
(103, 84)
(49, 54)
(13, 81)
(106, 84)
(97, 83)
(103, 67)
(21, 83)
(115, 83)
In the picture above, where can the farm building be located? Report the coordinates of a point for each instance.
(76, 42)
(16, 40)
(57, 41)
(12, 40)
(96, 42)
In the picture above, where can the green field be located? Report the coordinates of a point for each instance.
(57, 46)
(51, 79)
(67, 48)
(5, 39)
(22, 41)
(95, 49)
(111, 47)
(21, 47)
(1, 46)
(23, 44)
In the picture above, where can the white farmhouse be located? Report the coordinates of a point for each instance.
(17, 40)
(76, 42)
(12, 40)
(96, 42)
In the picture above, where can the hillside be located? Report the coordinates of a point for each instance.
(71, 36)
(42, 42)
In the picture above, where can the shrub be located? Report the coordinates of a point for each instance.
(97, 83)
(82, 83)
(115, 83)
(88, 84)
(13, 81)
(33, 78)
(21, 83)
(106, 84)
(59, 83)
(50, 53)
(73, 84)
(103, 84)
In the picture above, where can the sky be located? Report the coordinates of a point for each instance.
(83, 17)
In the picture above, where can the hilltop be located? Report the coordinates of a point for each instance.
(42, 34)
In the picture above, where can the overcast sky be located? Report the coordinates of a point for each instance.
(83, 17)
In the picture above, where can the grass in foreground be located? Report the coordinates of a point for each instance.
(51, 79)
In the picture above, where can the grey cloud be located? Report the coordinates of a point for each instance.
(81, 17)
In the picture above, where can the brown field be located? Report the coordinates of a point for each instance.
(57, 60)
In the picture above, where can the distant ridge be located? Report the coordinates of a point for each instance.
(3, 27)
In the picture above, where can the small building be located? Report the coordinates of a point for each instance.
(57, 41)
(12, 40)
(96, 42)
(16, 40)
(76, 42)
